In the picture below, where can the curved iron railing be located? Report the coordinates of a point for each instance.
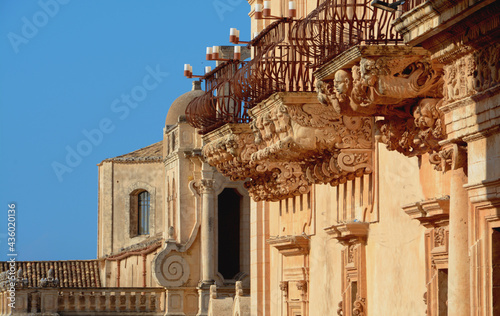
(218, 105)
(277, 66)
(285, 55)
(336, 25)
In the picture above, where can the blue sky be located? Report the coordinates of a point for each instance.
(66, 68)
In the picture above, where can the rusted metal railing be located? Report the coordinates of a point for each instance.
(285, 55)
(336, 25)
(277, 66)
(219, 104)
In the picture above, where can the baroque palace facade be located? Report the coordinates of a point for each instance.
(349, 167)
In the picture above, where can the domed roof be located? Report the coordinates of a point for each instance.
(180, 104)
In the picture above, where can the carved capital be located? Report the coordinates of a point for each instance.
(452, 157)
(302, 286)
(207, 185)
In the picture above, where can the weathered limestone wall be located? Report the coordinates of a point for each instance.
(126, 177)
(116, 183)
(395, 251)
(325, 261)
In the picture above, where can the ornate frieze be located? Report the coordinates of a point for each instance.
(293, 141)
(472, 73)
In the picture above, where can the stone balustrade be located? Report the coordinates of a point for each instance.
(148, 301)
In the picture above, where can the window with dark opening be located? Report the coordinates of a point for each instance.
(443, 292)
(143, 206)
(229, 233)
(495, 261)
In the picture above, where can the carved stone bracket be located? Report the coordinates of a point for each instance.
(284, 288)
(403, 86)
(453, 156)
(293, 141)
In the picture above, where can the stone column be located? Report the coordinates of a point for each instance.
(458, 258)
(207, 231)
(207, 238)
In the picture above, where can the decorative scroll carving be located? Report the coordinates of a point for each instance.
(274, 181)
(293, 142)
(171, 269)
(340, 311)
(302, 287)
(452, 156)
(439, 236)
(359, 307)
(417, 135)
(381, 86)
(232, 152)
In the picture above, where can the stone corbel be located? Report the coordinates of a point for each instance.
(292, 142)
(403, 86)
(452, 157)
(284, 288)
(302, 287)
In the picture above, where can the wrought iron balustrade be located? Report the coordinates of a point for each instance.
(336, 25)
(219, 104)
(277, 66)
(285, 55)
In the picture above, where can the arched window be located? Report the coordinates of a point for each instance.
(143, 207)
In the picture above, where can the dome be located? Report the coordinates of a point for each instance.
(180, 104)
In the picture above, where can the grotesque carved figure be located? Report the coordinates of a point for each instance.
(429, 122)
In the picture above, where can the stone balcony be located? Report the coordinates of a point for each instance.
(293, 141)
(399, 83)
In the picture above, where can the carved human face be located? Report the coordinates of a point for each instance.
(342, 82)
(424, 116)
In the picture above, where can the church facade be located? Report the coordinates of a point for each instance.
(350, 167)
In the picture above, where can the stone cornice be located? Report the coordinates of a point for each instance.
(486, 192)
(290, 245)
(430, 213)
(347, 233)
(434, 17)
